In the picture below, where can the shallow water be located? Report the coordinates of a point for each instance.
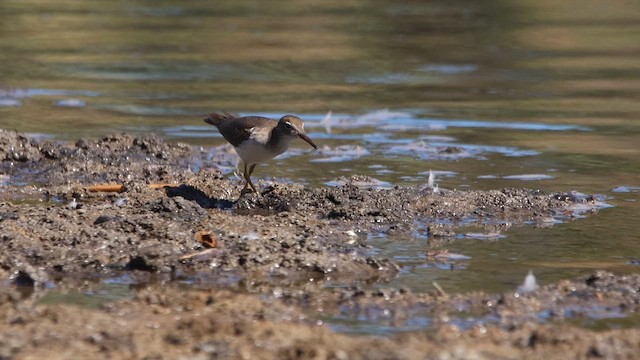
(539, 94)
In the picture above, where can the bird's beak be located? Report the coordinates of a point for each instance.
(304, 137)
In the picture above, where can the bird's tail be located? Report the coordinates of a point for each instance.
(216, 119)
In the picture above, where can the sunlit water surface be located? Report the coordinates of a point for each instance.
(539, 94)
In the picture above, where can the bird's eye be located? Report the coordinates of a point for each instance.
(288, 125)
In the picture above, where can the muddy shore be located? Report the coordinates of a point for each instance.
(257, 264)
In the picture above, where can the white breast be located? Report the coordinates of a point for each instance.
(253, 150)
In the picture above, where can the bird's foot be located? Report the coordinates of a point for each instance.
(247, 190)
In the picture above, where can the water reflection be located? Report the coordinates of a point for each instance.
(486, 94)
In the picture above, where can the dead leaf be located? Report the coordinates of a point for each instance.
(207, 239)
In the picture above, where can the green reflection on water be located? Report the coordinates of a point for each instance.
(607, 323)
(97, 296)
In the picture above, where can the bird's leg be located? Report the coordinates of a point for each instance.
(245, 189)
(248, 177)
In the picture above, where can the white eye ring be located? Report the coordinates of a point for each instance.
(288, 125)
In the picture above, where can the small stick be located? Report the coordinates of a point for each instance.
(162, 186)
(204, 252)
(440, 289)
(120, 187)
(105, 188)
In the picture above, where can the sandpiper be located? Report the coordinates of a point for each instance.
(257, 139)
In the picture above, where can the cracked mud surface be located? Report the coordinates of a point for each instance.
(254, 297)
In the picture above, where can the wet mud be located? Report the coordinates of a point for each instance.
(257, 266)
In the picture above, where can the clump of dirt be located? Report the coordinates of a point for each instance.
(288, 229)
(165, 322)
(115, 158)
(56, 229)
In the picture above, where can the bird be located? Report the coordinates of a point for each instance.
(257, 139)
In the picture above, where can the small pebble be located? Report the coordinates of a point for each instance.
(351, 233)
(121, 202)
(73, 204)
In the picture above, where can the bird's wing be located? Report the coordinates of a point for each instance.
(238, 130)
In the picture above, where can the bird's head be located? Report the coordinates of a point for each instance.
(293, 126)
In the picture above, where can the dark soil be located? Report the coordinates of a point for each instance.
(255, 299)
